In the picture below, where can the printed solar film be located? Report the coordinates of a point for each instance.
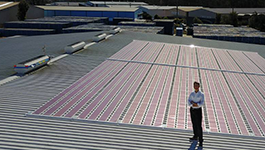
(148, 83)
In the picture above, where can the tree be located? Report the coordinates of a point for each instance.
(145, 15)
(23, 7)
(218, 18)
(257, 21)
(180, 20)
(225, 19)
(157, 17)
(197, 20)
(233, 19)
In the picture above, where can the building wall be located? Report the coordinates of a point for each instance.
(8, 14)
(202, 13)
(181, 13)
(163, 12)
(159, 12)
(137, 12)
(110, 14)
(35, 12)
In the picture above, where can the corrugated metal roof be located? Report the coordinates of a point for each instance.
(100, 94)
(238, 10)
(150, 7)
(88, 8)
(189, 8)
(18, 131)
(182, 8)
(22, 132)
(118, 3)
(18, 49)
(4, 5)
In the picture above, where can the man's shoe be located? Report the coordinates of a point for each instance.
(200, 145)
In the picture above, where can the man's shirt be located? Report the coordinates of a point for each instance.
(196, 98)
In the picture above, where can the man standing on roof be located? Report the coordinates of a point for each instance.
(195, 101)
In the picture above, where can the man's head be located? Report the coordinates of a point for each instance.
(196, 85)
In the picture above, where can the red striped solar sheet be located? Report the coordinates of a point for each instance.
(148, 83)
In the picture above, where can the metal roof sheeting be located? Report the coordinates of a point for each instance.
(106, 92)
(17, 49)
(118, 3)
(238, 10)
(27, 93)
(24, 132)
(68, 8)
(5, 5)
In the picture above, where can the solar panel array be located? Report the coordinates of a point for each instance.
(148, 83)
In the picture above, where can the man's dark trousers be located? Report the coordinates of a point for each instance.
(196, 119)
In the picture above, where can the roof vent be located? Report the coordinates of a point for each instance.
(31, 64)
(69, 49)
(115, 30)
(99, 37)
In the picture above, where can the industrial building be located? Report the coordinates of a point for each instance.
(50, 11)
(229, 33)
(162, 11)
(8, 12)
(181, 11)
(199, 12)
(108, 73)
(99, 4)
(240, 11)
(115, 4)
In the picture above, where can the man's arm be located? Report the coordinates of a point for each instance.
(190, 101)
(201, 101)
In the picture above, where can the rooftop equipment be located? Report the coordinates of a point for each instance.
(69, 49)
(31, 64)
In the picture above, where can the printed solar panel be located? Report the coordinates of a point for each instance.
(244, 62)
(148, 83)
(225, 60)
(257, 59)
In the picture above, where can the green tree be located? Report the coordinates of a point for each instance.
(145, 15)
(218, 18)
(180, 20)
(257, 21)
(233, 19)
(157, 17)
(225, 19)
(23, 7)
(197, 20)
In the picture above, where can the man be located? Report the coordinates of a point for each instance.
(195, 101)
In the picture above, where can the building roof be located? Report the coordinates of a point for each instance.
(4, 5)
(189, 8)
(154, 7)
(238, 10)
(64, 3)
(54, 46)
(182, 8)
(69, 8)
(28, 93)
(226, 30)
(118, 3)
(124, 6)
